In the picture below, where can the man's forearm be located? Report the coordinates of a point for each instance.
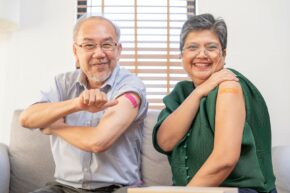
(82, 137)
(101, 137)
(41, 115)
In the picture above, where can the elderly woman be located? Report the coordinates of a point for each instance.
(215, 129)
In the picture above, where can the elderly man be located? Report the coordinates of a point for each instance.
(94, 115)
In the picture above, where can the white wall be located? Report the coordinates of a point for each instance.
(30, 56)
(258, 46)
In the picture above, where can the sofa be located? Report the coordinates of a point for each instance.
(27, 164)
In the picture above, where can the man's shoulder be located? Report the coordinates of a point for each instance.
(125, 76)
(70, 76)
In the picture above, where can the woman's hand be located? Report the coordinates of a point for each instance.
(214, 80)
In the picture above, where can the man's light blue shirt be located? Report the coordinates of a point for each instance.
(120, 164)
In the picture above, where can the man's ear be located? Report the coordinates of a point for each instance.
(77, 65)
(120, 48)
(75, 51)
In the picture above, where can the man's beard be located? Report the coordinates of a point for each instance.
(98, 79)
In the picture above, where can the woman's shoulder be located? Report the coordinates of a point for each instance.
(184, 85)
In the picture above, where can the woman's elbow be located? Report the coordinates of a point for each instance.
(229, 162)
(165, 145)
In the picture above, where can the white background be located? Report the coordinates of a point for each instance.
(258, 46)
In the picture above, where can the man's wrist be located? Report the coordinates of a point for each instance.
(75, 105)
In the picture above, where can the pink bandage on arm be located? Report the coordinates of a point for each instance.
(131, 99)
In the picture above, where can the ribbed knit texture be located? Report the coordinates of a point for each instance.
(254, 169)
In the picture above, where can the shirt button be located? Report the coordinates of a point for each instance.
(185, 146)
(188, 134)
(186, 157)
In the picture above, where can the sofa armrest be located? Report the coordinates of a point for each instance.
(4, 169)
(281, 160)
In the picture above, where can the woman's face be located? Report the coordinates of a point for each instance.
(202, 55)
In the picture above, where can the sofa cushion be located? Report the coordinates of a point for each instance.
(31, 160)
(155, 166)
(281, 166)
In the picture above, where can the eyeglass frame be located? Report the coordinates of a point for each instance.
(95, 45)
(206, 50)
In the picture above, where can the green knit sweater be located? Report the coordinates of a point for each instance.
(254, 168)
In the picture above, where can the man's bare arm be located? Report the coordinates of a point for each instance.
(112, 125)
(41, 115)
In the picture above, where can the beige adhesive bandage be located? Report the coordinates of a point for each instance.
(229, 90)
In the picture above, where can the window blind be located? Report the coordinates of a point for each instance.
(150, 37)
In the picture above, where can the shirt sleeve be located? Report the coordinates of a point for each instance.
(51, 93)
(134, 84)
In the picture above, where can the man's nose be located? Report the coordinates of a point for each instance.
(98, 52)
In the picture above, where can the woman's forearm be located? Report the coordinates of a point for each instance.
(214, 171)
(176, 125)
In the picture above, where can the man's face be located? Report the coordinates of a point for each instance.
(97, 51)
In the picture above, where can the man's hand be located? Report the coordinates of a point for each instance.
(94, 100)
(214, 80)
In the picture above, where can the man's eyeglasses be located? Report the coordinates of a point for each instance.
(211, 50)
(106, 46)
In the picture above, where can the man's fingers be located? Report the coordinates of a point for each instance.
(86, 97)
(92, 97)
(111, 103)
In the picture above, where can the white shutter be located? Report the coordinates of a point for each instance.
(150, 32)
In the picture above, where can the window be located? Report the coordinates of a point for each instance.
(150, 37)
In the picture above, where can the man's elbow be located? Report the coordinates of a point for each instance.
(95, 147)
(98, 149)
(24, 120)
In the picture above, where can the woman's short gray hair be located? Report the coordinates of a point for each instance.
(87, 17)
(204, 22)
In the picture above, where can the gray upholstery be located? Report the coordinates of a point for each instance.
(4, 169)
(30, 158)
(155, 166)
(31, 163)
